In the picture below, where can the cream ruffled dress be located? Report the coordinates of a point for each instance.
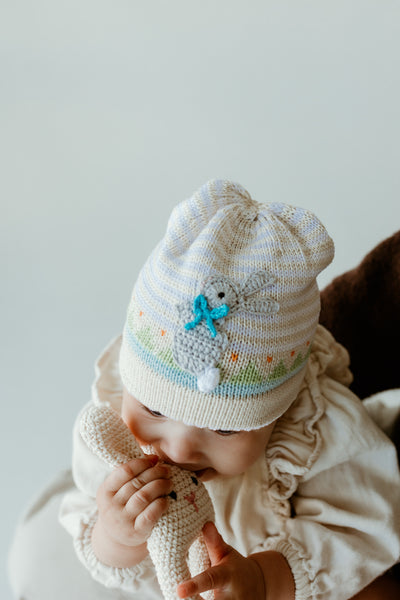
(326, 494)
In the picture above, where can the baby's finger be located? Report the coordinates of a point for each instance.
(128, 471)
(159, 472)
(141, 498)
(211, 579)
(216, 546)
(145, 522)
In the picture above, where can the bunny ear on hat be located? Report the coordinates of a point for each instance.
(308, 237)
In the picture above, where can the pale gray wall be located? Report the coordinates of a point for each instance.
(111, 112)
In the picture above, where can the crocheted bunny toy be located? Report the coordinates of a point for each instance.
(176, 545)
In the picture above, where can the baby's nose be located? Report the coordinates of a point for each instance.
(182, 446)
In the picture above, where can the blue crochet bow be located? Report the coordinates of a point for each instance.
(201, 311)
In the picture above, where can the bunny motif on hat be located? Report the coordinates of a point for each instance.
(199, 352)
(224, 311)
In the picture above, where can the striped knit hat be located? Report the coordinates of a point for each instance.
(224, 311)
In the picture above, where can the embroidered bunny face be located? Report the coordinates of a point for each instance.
(200, 341)
(220, 291)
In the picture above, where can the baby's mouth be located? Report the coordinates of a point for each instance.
(200, 472)
(203, 474)
(206, 474)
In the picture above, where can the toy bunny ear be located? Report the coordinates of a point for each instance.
(255, 282)
(264, 307)
(107, 436)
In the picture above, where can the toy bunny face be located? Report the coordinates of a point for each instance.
(187, 492)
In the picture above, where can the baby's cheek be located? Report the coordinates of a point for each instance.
(240, 459)
(131, 422)
(234, 465)
(128, 421)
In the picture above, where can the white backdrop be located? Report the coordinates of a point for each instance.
(111, 112)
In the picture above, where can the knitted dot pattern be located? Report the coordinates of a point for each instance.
(180, 526)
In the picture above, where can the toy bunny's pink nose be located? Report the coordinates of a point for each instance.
(191, 498)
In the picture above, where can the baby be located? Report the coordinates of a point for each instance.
(223, 370)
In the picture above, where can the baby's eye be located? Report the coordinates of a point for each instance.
(155, 413)
(225, 432)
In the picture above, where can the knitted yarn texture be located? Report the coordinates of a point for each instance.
(176, 545)
(224, 311)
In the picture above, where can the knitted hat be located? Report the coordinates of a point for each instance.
(224, 311)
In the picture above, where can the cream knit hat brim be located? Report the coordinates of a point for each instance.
(192, 407)
(224, 311)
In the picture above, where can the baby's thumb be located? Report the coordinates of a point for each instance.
(216, 546)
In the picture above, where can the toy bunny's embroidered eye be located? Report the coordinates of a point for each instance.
(195, 480)
(221, 295)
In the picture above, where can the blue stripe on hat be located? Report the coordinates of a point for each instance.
(189, 381)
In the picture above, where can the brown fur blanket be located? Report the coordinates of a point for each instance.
(361, 308)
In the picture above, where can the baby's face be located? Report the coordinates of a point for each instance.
(207, 452)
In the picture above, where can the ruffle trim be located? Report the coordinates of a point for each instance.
(127, 579)
(295, 443)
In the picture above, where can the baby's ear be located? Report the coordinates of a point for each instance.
(310, 243)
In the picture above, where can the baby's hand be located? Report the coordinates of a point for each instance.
(231, 575)
(132, 499)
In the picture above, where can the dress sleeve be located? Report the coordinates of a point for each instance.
(335, 485)
(345, 528)
(78, 515)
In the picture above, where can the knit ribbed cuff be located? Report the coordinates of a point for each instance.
(127, 579)
(303, 573)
